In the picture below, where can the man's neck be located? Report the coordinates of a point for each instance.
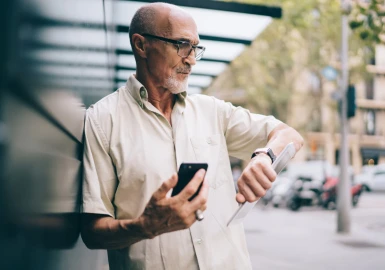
(162, 99)
(159, 97)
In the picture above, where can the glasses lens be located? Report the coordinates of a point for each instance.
(184, 49)
(199, 52)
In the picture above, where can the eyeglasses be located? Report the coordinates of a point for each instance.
(184, 47)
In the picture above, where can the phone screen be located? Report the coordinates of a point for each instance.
(185, 174)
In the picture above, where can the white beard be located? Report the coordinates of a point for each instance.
(175, 86)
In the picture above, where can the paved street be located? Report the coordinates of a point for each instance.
(282, 239)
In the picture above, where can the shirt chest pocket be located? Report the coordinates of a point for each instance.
(208, 149)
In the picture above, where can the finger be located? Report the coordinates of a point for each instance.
(192, 186)
(200, 201)
(203, 207)
(258, 177)
(256, 181)
(165, 187)
(257, 189)
(240, 198)
(245, 190)
(204, 192)
(270, 173)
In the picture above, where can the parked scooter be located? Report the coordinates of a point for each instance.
(329, 195)
(304, 192)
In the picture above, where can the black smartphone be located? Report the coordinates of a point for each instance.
(185, 174)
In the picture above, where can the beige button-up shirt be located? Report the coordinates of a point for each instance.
(130, 149)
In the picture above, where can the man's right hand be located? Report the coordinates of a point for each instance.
(166, 214)
(161, 215)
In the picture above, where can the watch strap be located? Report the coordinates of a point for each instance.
(266, 151)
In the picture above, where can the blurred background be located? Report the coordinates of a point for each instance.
(57, 57)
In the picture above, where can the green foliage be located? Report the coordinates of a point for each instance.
(304, 41)
(368, 21)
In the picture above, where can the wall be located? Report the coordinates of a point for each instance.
(41, 134)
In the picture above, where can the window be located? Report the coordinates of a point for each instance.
(370, 122)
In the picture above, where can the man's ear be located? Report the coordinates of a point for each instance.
(139, 46)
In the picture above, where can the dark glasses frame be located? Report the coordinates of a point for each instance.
(199, 50)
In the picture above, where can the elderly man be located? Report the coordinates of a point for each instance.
(135, 139)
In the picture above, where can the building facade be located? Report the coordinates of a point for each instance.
(366, 128)
(313, 110)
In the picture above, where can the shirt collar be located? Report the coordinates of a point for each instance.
(140, 94)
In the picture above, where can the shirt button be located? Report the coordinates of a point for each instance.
(199, 241)
(208, 140)
(142, 93)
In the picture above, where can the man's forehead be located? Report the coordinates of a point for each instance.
(184, 29)
(174, 22)
(193, 39)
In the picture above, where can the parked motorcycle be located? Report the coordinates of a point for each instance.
(329, 195)
(304, 192)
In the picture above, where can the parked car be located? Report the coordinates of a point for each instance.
(372, 178)
(280, 192)
(277, 193)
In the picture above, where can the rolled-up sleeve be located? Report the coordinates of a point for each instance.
(245, 131)
(99, 179)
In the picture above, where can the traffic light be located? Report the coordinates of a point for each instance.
(351, 101)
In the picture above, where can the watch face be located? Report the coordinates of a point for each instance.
(271, 154)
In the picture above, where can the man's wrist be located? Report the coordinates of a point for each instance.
(267, 151)
(263, 155)
(139, 228)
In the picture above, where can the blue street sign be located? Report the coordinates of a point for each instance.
(329, 73)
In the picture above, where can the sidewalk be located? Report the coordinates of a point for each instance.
(282, 239)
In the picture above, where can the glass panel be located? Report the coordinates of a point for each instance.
(124, 74)
(209, 22)
(209, 68)
(71, 36)
(74, 71)
(126, 60)
(201, 81)
(72, 10)
(68, 56)
(221, 50)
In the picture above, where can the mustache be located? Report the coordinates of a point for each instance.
(185, 69)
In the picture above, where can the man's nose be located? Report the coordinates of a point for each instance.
(190, 59)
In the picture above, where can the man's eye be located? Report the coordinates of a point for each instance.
(185, 45)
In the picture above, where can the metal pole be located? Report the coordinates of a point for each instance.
(344, 185)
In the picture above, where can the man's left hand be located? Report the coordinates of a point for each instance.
(256, 179)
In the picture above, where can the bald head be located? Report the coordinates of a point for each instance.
(163, 63)
(157, 19)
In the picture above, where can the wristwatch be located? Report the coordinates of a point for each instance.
(266, 151)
